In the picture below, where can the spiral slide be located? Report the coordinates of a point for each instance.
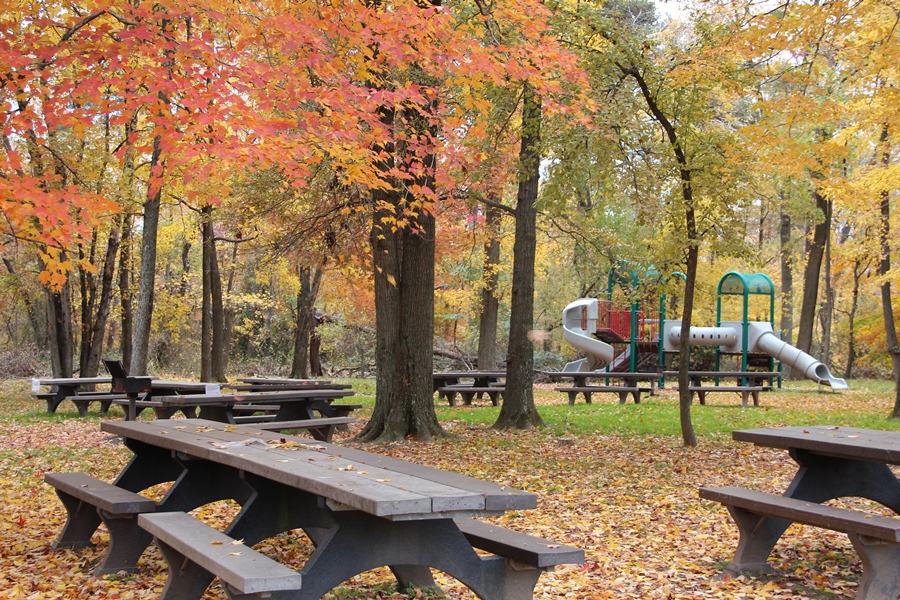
(579, 323)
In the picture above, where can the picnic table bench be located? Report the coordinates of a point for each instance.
(270, 384)
(291, 405)
(580, 385)
(587, 391)
(470, 392)
(747, 383)
(361, 510)
(484, 383)
(741, 378)
(834, 462)
(71, 389)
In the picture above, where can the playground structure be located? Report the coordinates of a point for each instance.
(644, 335)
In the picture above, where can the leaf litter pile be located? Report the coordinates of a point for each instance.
(629, 502)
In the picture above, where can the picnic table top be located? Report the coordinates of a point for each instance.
(842, 442)
(73, 380)
(282, 380)
(347, 477)
(489, 373)
(598, 374)
(757, 374)
(252, 397)
(183, 385)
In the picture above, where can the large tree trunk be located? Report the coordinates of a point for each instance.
(310, 278)
(786, 322)
(403, 261)
(140, 352)
(490, 301)
(811, 273)
(518, 410)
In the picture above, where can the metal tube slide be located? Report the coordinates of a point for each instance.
(707, 336)
(811, 368)
(579, 323)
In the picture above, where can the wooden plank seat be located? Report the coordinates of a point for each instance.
(192, 549)
(528, 549)
(160, 410)
(321, 429)
(875, 538)
(468, 393)
(746, 392)
(88, 501)
(587, 390)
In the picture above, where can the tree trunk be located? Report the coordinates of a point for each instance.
(140, 352)
(94, 325)
(811, 273)
(206, 372)
(787, 283)
(490, 302)
(858, 270)
(212, 329)
(125, 293)
(826, 313)
(61, 331)
(403, 262)
(884, 267)
(306, 320)
(688, 435)
(518, 410)
(37, 328)
(315, 361)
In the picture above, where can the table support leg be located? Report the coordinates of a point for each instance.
(202, 482)
(189, 582)
(127, 543)
(150, 465)
(759, 534)
(880, 578)
(819, 479)
(825, 478)
(360, 542)
(351, 542)
(81, 523)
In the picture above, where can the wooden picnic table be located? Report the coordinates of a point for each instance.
(362, 511)
(833, 462)
(628, 386)
(450, 383)
(580, 378)
(70, 388)
(479, 378)
(263, 384)
(743, 377)
(140, 393)
(293, 405)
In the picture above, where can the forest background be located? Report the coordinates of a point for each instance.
(208, 187)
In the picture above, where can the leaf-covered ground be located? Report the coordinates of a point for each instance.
(630, 501)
